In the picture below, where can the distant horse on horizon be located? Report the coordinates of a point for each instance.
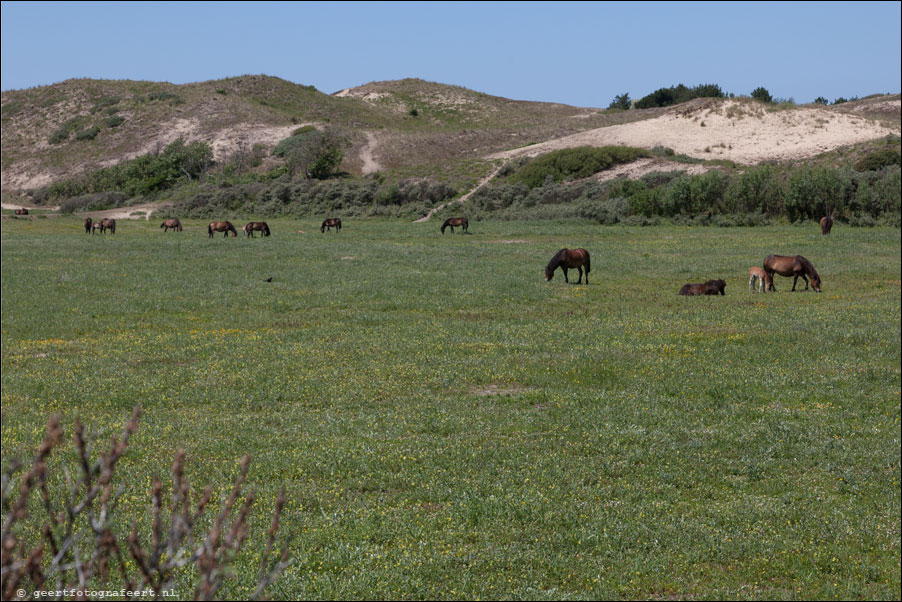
(796, 267)
(451, 222)
(173, 224)
(224, 227)
(332, 222)
(567, 259)
(826, 225)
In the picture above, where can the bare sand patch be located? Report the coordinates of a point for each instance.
(732, 130)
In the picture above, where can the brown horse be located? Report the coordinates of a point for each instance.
(826, 225)
(172, 223)
(88, 223)
(98, 225)
(225, 227)
(21, 211)
(758, 279)
(711, 287)
(567, 259)
(451, 222)
(332, 222)
(797, 266)
(108, 223)
(259, 226)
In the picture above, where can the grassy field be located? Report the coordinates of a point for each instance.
(448, 425)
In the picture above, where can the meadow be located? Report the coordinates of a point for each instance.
(448, 425)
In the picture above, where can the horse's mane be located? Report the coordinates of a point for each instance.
(556, 260)
(809, 267)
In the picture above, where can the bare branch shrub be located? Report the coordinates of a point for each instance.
(68, 540)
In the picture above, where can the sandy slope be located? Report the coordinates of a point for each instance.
(739, 131)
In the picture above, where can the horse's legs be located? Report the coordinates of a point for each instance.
(580, 268)
(805, 278)
(563, 269)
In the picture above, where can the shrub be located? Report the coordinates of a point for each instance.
(88, 133)
(114, 121)
(665, 97)
(621, 101)
(105, 103)
(97, 201)
(76, 534)
(574, 163)
(762, 95)
(878, 160)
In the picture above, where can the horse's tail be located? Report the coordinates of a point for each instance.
(210, 229)
(588, 263)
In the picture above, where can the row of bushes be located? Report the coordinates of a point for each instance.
(757, 195)
(144, 175)
(304, 198)
(571, 163)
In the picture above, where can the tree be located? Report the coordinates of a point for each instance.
(316, 154)
(821, 100)
(761, 94)
(621, 101)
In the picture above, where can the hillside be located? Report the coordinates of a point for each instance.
(132, 118)
(406, 129)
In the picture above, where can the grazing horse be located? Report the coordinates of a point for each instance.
(797, 266)
(711, 287)
(332, 222)
(98, 225)
(108, 223)
(826, 225)
(455, 221)
(566, 259)
(88, 223)
(21, 211)
(172, 223)
(759, 275)
(225, 227)
(259, 226)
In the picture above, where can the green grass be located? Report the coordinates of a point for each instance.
(448, 425)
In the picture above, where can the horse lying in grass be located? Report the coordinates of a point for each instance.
(711, 287)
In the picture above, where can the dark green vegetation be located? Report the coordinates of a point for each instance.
(727, 197)
(665, 97)
(447, 425)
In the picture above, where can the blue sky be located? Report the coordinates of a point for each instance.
(575, 53)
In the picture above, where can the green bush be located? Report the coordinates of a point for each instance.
(761, 94)
(665, 97)
(88, 133)
(878, 160)
(574, 163)
(114, 121)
